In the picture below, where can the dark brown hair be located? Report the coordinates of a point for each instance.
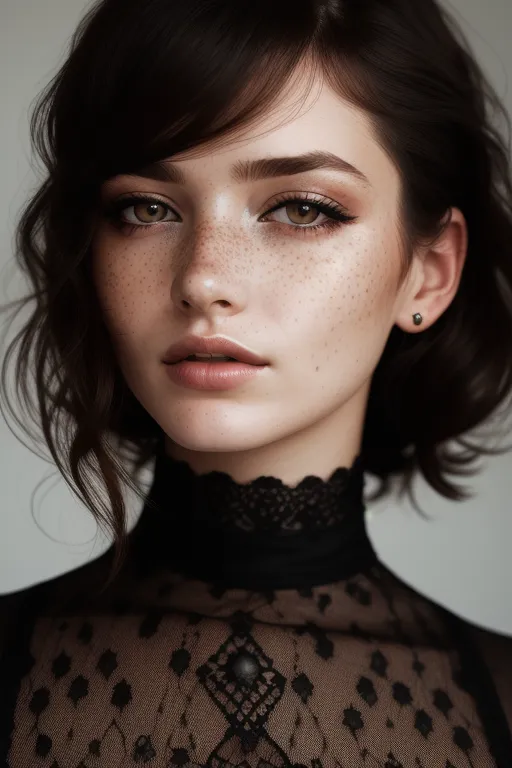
(146, 80)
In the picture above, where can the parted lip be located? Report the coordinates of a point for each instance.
(219, 345)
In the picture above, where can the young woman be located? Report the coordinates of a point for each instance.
(273, 252)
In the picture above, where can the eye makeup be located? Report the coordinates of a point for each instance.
(335, 214)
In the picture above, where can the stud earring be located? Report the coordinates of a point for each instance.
(417, 319)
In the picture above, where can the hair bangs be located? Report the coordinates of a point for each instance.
(154, 91)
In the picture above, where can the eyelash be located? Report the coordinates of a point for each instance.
(338, 215)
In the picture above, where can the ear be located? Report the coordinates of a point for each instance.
(434, 276)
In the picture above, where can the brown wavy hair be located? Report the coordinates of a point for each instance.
(144, 81)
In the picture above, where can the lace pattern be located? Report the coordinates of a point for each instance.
(266, 504)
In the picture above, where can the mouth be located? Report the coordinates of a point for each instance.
(217, 349)
(212, 372)
(208, 359)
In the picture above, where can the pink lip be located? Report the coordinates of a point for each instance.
(212, 376)
(213, 345)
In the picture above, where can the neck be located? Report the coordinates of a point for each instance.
(331, 442)
(259, 534)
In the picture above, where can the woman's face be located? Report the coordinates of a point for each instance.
(313, 296)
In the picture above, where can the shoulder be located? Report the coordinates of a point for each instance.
(19, 610)
(496, 651)
(486, 655)
(13, 607)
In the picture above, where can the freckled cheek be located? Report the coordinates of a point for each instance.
(351, 283)
(372, 269)
(124, 279)
(343, 305)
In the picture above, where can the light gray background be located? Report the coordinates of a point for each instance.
(461, 558)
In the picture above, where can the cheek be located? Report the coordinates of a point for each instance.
(124, 271)
(122, 276)
(339, 292)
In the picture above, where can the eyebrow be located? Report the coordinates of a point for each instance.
(264, 168)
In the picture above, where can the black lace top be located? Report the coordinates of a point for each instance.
(251, 626)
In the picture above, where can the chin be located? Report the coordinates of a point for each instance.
(197, 430)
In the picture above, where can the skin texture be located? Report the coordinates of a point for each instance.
(318, 305)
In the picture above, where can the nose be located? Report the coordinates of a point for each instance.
(209, 284)
(206, 296)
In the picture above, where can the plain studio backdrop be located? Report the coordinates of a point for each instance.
(460, 557)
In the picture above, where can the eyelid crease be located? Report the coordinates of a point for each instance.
(284, 197)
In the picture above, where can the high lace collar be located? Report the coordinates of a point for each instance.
(258, 535)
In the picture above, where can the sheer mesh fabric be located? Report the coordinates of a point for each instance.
(166, 669)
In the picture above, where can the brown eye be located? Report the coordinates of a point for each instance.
(148, 213)
(302, 213)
